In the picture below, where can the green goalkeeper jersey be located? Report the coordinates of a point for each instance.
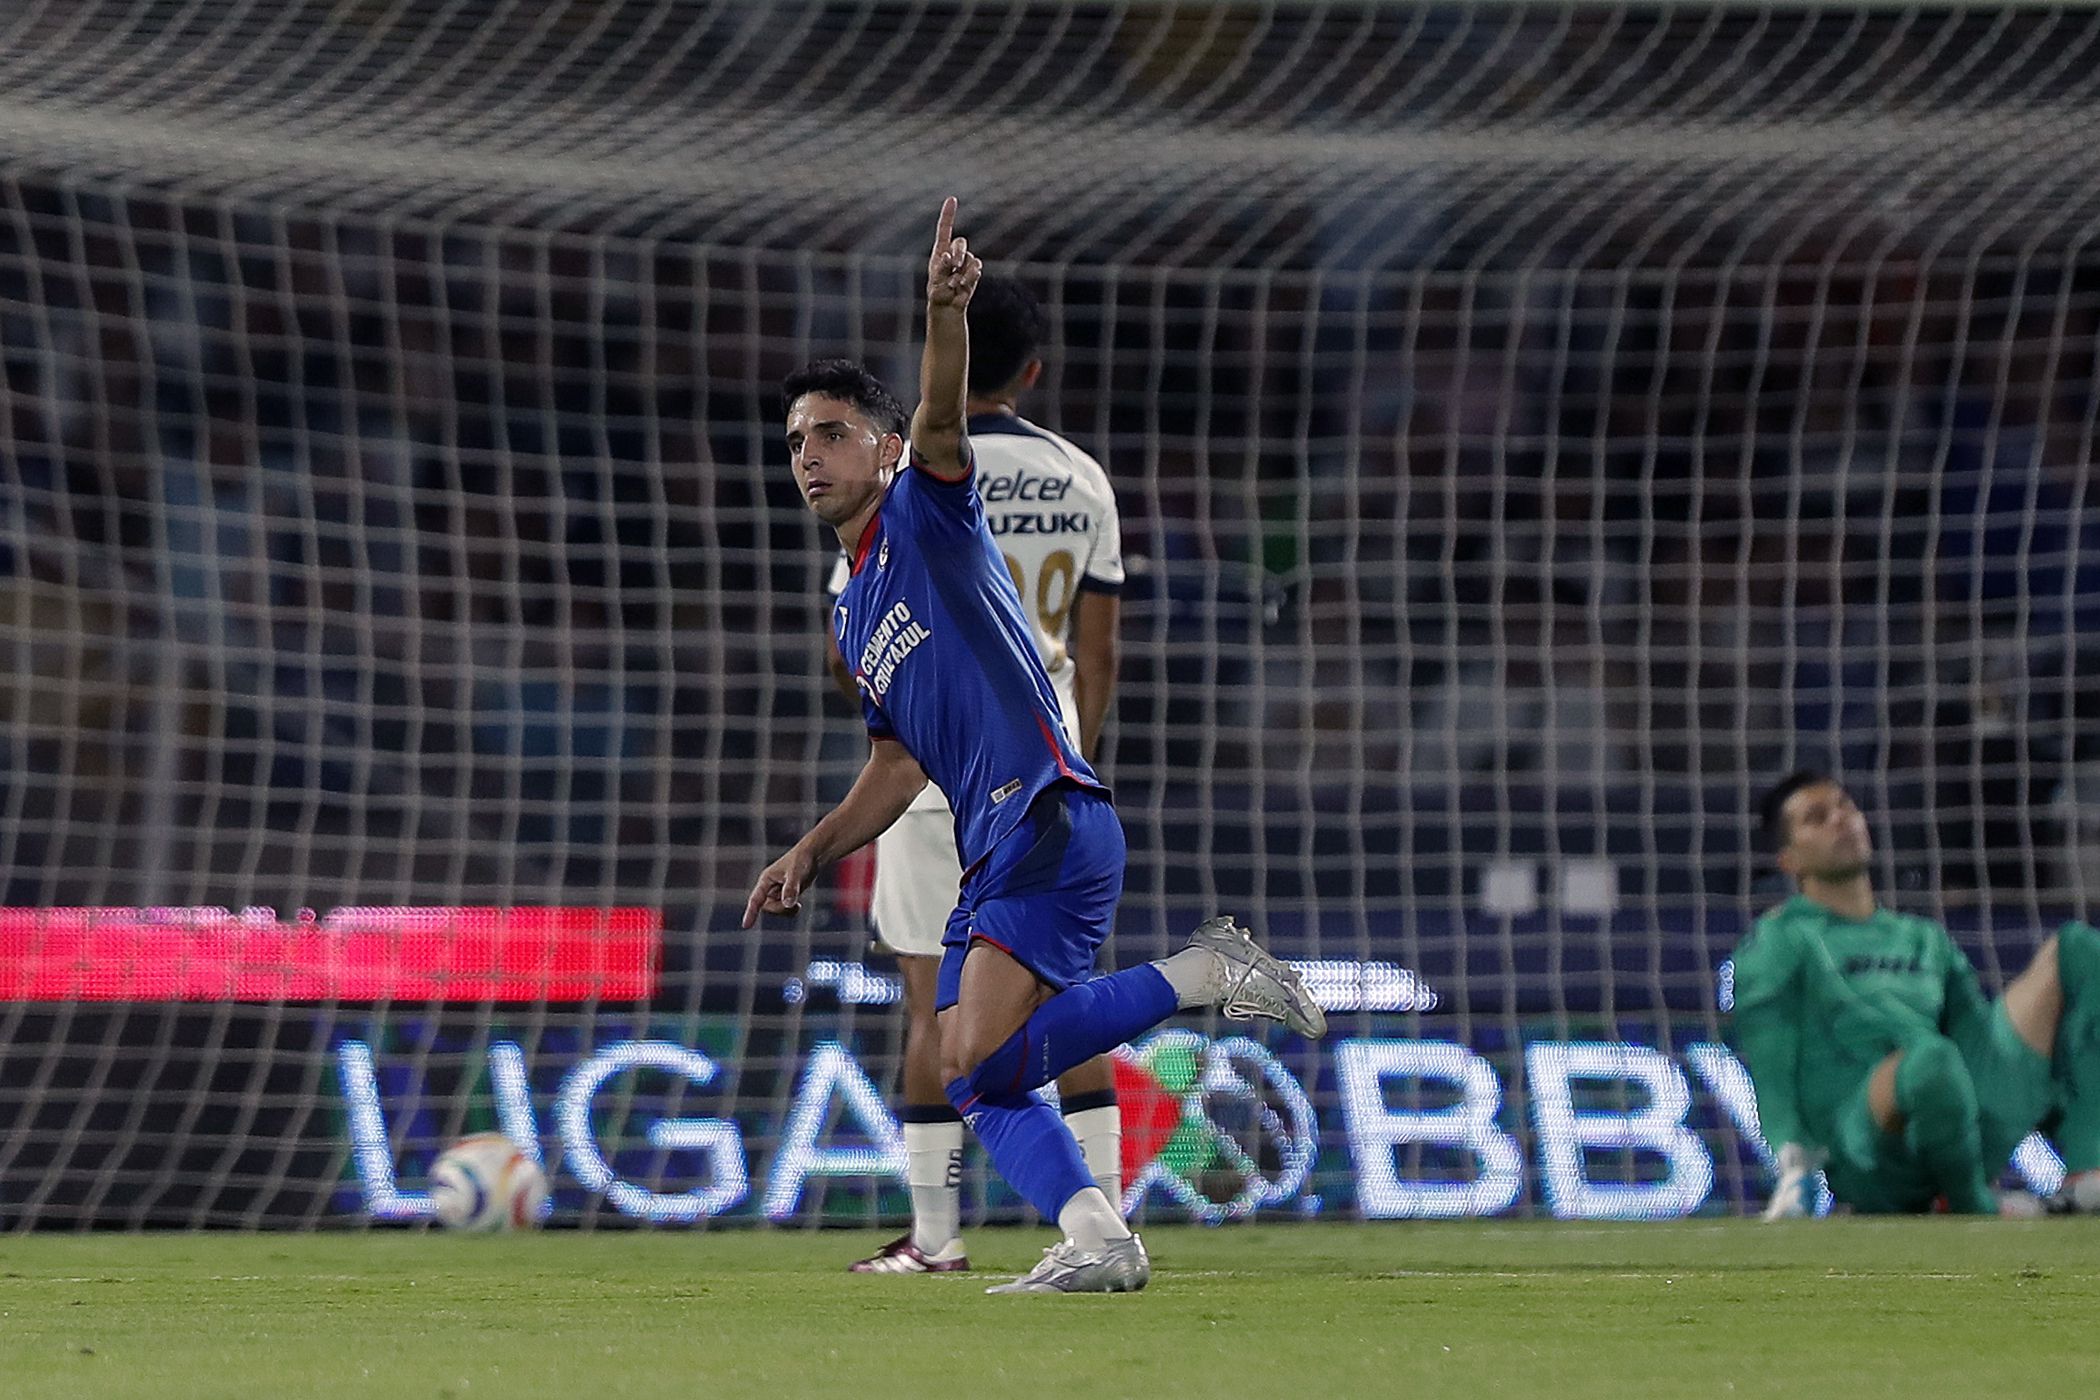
(1821, 1000)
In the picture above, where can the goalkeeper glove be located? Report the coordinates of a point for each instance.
(1794, 1198)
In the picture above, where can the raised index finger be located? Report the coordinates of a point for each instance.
(947, 229)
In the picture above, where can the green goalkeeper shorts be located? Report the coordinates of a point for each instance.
(1875, 1173)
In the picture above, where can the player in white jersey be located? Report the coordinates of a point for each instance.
(1053, 513)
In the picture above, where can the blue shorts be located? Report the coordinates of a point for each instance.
(1046, 895)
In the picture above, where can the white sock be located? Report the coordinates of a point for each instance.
(933, 1171)
(1100, 1134)
(1090, 1222)
(1193, 974)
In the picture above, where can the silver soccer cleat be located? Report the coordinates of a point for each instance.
(1253, 983)
(1121, 1267)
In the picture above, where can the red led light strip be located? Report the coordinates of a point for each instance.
(365, 953)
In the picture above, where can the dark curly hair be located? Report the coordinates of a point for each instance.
(847, 382)
(1007, 328)
(1771, 808)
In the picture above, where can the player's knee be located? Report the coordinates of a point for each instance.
(963, 1080)
(1932, 1081)
(959, 1059)
(2075, 956)
(2047, 964)
(984, 1068)
(1932, 1059)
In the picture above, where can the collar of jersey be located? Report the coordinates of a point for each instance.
(1831, 916)
(867, 540)
(1003, 425)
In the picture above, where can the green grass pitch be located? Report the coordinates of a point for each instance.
(1840, 1308)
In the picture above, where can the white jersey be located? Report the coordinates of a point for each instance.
(1051, 509)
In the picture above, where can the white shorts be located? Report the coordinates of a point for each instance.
(918, 877)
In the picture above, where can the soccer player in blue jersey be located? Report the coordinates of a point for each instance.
(1053, 511)
(952, 689)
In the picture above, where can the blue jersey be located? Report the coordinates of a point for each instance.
(931, 627)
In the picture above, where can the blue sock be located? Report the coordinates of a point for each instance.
(1080, 1022)
(1028, 1143)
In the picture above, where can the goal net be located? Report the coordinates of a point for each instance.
(1536, 427)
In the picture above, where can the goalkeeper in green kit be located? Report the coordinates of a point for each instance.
(1874, 1052)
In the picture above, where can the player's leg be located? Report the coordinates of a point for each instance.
(2038, 1052)
(1027, 1012)
(1044, 906)
(2034, 1001)
(1924, 1100)
(1026, 1139)
(2007, 1051)
(1220, 967)
(1869, 1167)
(1037, 913)
(933, 1141)
(1087, 1098)
(998, 995)
(2072, 961)
(1952, 1109)
(916, 872)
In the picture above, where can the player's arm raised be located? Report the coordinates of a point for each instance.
(944, 368)
(888, 782)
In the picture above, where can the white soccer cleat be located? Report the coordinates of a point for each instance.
(1120, 1267)
(1252, 983)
